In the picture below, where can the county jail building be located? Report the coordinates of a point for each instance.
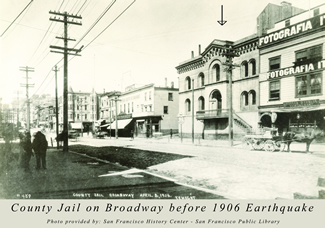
(277, 71)
(144, 110)
(292, 73)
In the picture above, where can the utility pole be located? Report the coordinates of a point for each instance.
(66, 52)
(110, 118)
(56, 106)
(192, 110)
(116, 127)
(230, 54)
(27, 69)
(18, 92)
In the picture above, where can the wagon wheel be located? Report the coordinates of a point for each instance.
(278, 145)
(258, 144)
(246, 144)
(269, 146)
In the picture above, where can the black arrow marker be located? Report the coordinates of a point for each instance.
(222, 22)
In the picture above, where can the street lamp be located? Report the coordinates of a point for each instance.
(181, 121)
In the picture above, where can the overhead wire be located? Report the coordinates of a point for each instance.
(44, 36)
(97, 20)
(16, 18)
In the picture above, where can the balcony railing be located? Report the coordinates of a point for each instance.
(212, 114)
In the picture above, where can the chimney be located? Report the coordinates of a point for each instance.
(192, 54)
(172, 85)
(199, 49)
(286, 9)
(165, 82)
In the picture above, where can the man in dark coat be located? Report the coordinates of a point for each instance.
(40, 145)
(27, 152)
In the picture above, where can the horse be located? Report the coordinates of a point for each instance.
(60, 138)
(302, 137)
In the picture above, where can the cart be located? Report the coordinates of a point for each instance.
(268, 141)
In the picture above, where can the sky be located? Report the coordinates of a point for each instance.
(139, 45)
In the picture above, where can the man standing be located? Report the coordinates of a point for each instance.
(27, 150)
(40, 145)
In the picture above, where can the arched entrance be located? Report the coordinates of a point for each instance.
(216, 102)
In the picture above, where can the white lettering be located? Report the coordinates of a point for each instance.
(310, 67)
(286, 71)
(261, 41)
(293, 31)
(297, 70)
(286, 32)
(276, 36)
(271, 37)
(281, 72)
(266, 39)
(281, 34)
(308, 25)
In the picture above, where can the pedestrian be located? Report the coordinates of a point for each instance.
(27, 152)
(40, 145)
(171, 133)
(132, 136)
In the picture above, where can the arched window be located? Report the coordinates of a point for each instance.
(244, 69)
(187, 105)
(252, 94)
(252, 63)
(244, 99)
(201, 80)
(201, 103)
(187, 83)
(216, 72)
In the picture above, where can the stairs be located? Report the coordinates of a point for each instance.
(246, 127)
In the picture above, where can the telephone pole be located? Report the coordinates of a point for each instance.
(66, 51)
(27, 69)
(230, 53)
(56, 106)
(18, 92)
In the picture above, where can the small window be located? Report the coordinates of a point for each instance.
(316, 12)
(309, 85)
(187, 83)
(149, 95)
(165, 109)
(287, 23)
(201, 103)
(85, 116)
(309, 54)
(170, 96)
(187, 105)
(275, 90)
(216, 70)
(85, 107)
(275, 63)
(145, 96)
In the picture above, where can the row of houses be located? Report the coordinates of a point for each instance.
(278, 82)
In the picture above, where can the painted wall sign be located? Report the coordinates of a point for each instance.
(296, 29)
(295, 104)
(295, 70)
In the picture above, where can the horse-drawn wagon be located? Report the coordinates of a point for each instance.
(270, 141)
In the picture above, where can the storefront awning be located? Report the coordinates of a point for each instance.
(76, 126)
(121, 124)
(295, 109)
(105, 125)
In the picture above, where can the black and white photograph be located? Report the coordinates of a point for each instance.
(162, 113)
